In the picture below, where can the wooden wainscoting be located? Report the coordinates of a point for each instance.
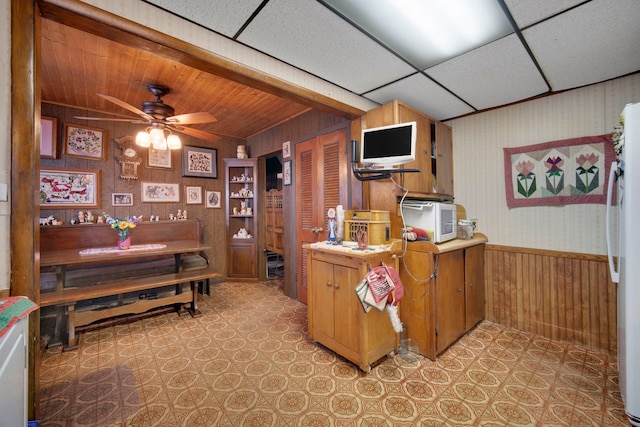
(560, 295)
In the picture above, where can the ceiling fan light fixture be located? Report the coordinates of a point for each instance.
(174, 142)
(157, 138)
(143, 139)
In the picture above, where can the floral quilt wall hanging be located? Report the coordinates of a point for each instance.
(558, 172)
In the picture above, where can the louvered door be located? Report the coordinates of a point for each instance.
(321, 183)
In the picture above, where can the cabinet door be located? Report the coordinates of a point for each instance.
(443, 153)
(474, 284)
(450, 311)
(242, 260)
(322, 298)
(347, 308)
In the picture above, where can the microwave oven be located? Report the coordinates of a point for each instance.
(436, 218)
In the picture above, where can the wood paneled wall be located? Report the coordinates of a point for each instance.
(560, 295)
(213, 220)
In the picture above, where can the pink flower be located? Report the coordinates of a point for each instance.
(587, 161)
(525, 167)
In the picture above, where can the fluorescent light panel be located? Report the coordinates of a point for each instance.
(427, 32)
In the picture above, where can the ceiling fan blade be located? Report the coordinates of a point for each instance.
(197, 133)
(110, 119)
(126, 106)
(192, 118)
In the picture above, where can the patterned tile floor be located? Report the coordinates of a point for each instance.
(247, 362)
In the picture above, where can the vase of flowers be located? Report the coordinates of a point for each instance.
(123, 227)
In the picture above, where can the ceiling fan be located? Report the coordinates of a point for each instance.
(159, 115)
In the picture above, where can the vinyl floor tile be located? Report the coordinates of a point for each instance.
(247, 362)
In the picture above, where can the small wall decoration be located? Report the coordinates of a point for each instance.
(193, 195)
(69, 188)
(200, 162)
(286, 173)
(48, 137)
(286, 149)
(558, 172)
(85, 142)
(129, 160)
(160, 192)
(213, 199)
(122, 199)
(159, 158)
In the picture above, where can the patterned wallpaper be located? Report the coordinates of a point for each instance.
(478, 141)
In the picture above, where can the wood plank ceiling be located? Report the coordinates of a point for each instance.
(76, 66)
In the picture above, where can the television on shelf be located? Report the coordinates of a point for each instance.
(388, 146)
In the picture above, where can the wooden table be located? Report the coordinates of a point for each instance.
(63, 258)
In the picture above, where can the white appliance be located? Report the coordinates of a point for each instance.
(438, 218)
(627, 271)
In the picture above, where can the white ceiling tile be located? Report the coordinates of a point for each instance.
(223, 16)
(527, 12)
(423, 94)
(495, 74)
(309, 36)
(588, 44)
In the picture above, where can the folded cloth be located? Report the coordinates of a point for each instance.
(366, 297)
(13, 309)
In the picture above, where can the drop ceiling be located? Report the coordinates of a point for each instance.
(552, 46)
(555, 45)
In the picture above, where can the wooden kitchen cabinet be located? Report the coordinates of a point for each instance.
(336, 317)
(242, 214)
(445, 285)
(474, 285)
(434, 152)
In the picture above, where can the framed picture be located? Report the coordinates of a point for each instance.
(122, 199)
(85, 142)
(213, 199)
(286, 149)
(48, 137)
(200, 162)
(193, 195)
(286, 173)
(160, 192)
(159, 158)
(69, 188)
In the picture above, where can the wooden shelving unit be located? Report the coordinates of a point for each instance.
(242, 214)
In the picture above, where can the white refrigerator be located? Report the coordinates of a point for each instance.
(626, 271)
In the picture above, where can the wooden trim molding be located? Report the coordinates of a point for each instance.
(560, 295)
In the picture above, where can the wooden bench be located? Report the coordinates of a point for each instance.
(68, 298)
(179, 261)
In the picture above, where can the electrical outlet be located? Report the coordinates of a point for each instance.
(4, 192)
